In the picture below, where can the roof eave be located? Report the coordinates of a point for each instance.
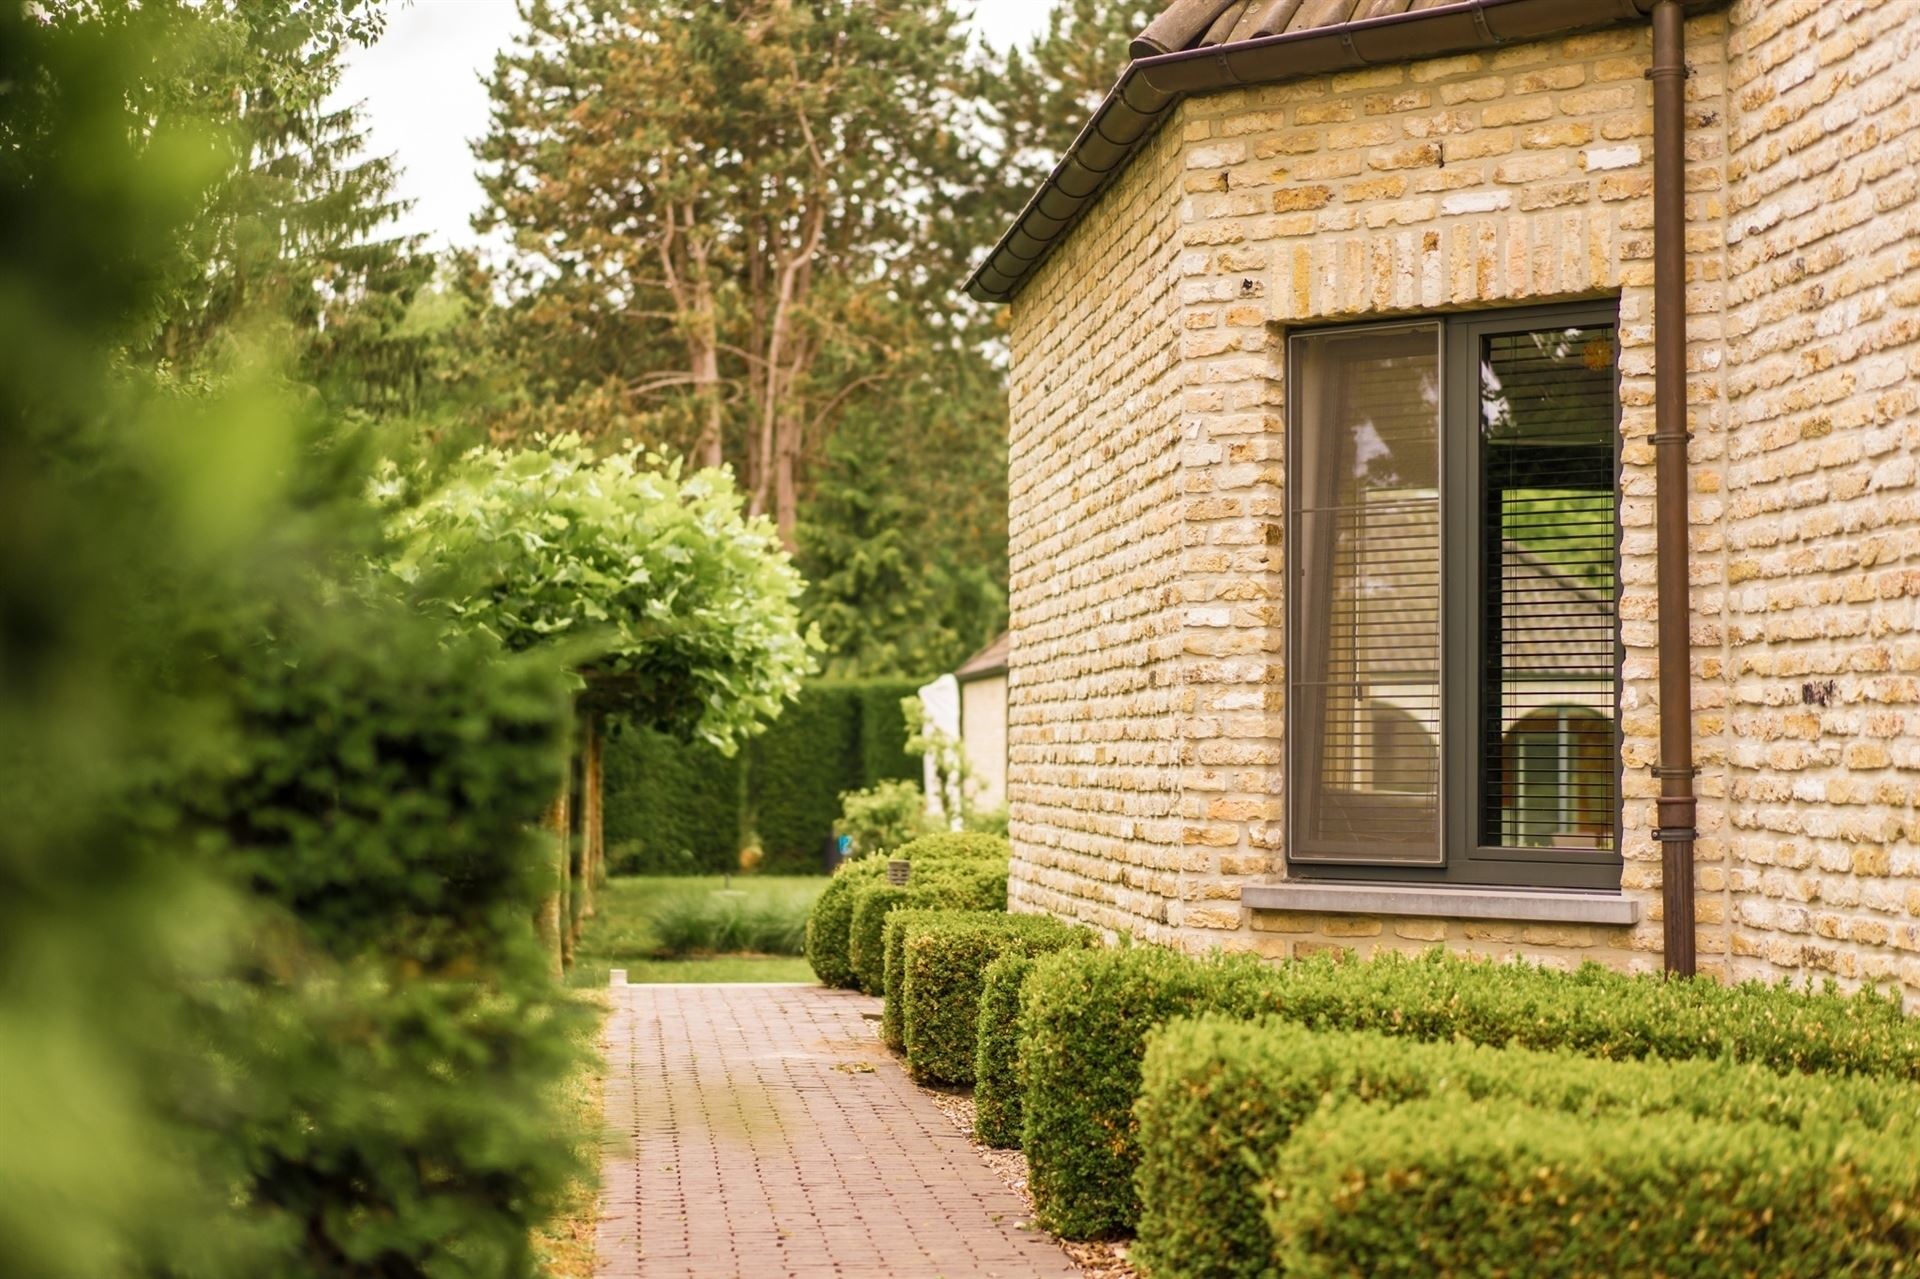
(984, 673)
(1149, 88)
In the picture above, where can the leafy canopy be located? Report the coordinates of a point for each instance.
(649, 582)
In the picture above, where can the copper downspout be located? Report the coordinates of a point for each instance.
(1675, 829)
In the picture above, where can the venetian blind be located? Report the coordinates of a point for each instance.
(1366, 662)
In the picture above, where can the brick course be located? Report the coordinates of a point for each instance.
(1147, 685)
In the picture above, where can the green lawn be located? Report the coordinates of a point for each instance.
(698, 929)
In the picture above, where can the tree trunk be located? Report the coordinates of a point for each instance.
(786, 481)
(709, 449)
(593, 790)
(575, 849)
(548, 914)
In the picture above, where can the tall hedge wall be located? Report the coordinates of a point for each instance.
(678, 808)
(672, 808)
(841, 735)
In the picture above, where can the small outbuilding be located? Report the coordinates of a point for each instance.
(983, 719)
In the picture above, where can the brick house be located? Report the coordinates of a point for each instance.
(1350, 469)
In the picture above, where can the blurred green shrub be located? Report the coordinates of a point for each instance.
(884, 816)
(271, 1004)
(989, 821)
(704, 921)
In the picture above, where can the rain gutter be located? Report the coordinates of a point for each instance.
(1152, 85)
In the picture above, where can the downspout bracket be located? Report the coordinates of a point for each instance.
(1486, 30)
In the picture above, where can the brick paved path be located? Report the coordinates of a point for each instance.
(740, 1147)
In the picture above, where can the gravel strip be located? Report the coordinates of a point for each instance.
(1099, 1260)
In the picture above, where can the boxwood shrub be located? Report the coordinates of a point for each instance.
(1219, 1096)
(1446, 1188)
(831, 918)
(893, 1031)
(1084, 1021)
(866, 941)
(958, 885)
(943, 959)
(947, 846)
(1602, 1013)
(973, 868)
(996, 1058)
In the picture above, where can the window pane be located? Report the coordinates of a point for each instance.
(1549, 536)
(1365, 673)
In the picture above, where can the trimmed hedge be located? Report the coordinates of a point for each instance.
(1446, 1188)
(676, 808)
(969, 871)
(971, 884)
(956, 846)
(1220, 1096)
(996, 1061)
(883, 732)
(866, 943)
(893, 1028)
(1602, 1013)
(1084, 1020)
(798, 768)
(840, 735)
(943, 959)
(831, 918)
(672, 808)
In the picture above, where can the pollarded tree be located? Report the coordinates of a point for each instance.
(648, 583)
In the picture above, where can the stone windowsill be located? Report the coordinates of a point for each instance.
(1519, 904)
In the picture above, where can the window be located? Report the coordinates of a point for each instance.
(1453, 631)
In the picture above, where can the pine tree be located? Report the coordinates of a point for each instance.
(292, 241)
(1050, 89)
(905, 545)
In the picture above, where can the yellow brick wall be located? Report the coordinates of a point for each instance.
(1092, 747)
(1148, 493)
(1822, 520)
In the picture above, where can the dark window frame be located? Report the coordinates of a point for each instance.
(1465, 861)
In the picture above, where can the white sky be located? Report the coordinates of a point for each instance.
(424, 100)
